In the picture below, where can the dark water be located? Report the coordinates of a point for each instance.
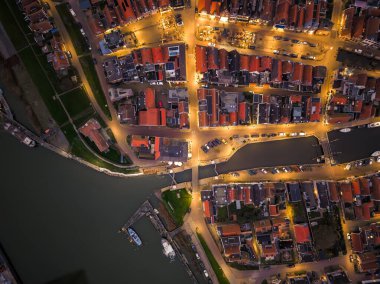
(59, 217)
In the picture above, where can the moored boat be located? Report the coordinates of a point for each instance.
(167, 249)
(135, 238)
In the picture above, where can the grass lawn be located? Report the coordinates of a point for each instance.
(73, 29)
(13, 30)
(93, 80)
(214, 264)
(41, 82)
(298, 212)
(177, 207)
(222, 214)
(76, 101)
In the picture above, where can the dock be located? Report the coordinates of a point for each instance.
(146, 209)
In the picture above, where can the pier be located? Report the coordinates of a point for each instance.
(146, 209)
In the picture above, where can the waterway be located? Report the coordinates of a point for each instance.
(58, 217)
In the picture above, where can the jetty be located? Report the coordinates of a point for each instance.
(146, 209)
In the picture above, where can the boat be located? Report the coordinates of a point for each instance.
(168, 249)
(345, 130)
(19, 134)
(4, 107)
(135, 238)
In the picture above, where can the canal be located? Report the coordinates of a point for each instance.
(61, 218)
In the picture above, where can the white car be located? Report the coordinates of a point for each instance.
(345, 130)
(281, 134)
(211, 44)
(348, 236)
(359, 51)
(294, 134)
(264, 171)
(82, 32)
(205, 273)
(375, 124)
(197, 256)
(302, 133)
(276, 51)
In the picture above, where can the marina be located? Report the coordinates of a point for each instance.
(170, 248)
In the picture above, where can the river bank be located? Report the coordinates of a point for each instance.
(61, 217)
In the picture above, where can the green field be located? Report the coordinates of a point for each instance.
(76, 101)
(10, 25)
(214, 264)
(42, 84)
(73, 29)
(93, 80)
(178, 206)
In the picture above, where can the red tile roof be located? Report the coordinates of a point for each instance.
(215, 7)
(265, 63)
(355, 187)
(247, 195)
(150, 117)
(307, 75)
(91, 130)
(315, 114)
(207, 208)
(201, 61)
(233, 118)
(203, 119)
(242, 111)
(150, 98)
(364, 186)
(366, 112)
(244, 62)
(163, 3)
(356, 243)
(126, 9)
(345, 189)
(309, 12)
(254, 63)
(298, 72)
(274, 210)
(157, 55)
(223, 119)
(339, 118)
(282, 12)
(375, 188)
(204, 6)
(146, 55)
(287, 67)
(372, 27)
(334, 197)
(139, 141)
(230, 230)
(301, 18)
(302, 233)
(293, 15)
(339, 100)
(358, 26)
(223, 59)
(183, 120)
(163, 116)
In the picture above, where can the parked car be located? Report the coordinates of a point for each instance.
(255, 135)
(204, 149)
(252, 47)
(375, 124)
(205, 273)
(277, 37)
(348, 236)
(274, 171)
(312, 44)
(272, 134)
(291, 265)
(197, 256)
(224, 141)
(94, 60)
(294, 134)
(252, 172)
(264, 171)
(295, 41)
(293, 55)
(263, 135)
(285, 39)
(281, 134)
(276, 51)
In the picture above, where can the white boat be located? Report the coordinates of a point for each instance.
(167, 249)
(135, 238)
(345, 130)
(19, 134)
(375, 124)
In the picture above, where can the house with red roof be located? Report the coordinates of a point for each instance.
(91, 130)
(201, 59)
(302, 233)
